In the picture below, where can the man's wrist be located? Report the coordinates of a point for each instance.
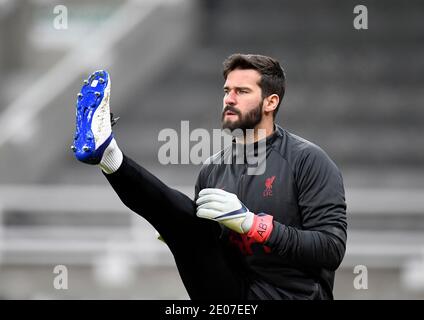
(248, 222)
(261, 228)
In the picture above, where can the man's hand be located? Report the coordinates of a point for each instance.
(224, 207)
(227, 209)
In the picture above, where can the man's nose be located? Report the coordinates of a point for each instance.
(230, 98)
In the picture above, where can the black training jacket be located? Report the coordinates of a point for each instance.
(303, 190)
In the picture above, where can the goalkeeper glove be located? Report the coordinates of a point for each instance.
(227, 209)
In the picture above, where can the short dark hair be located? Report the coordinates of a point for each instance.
(273, 78)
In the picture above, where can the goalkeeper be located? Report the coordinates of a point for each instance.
(277, 235)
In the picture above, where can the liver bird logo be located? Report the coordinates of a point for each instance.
(268, 186)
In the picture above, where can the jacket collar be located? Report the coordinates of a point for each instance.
(278, 132)
(252, 148)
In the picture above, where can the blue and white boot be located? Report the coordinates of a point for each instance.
(94, 121)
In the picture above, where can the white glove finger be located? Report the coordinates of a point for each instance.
(209, 198)
(218, 206)
(214, 191)
(208, 213)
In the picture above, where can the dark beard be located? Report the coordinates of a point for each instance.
(248, 121)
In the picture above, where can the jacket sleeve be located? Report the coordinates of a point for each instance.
(321, 242)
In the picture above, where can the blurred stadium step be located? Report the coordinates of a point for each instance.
(383, 224)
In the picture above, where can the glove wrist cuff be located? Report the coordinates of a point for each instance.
(261, 228)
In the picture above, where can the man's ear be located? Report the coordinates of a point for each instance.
(271, 103)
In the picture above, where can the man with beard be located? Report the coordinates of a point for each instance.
(280, 234)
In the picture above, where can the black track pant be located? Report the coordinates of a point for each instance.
(207, 268)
